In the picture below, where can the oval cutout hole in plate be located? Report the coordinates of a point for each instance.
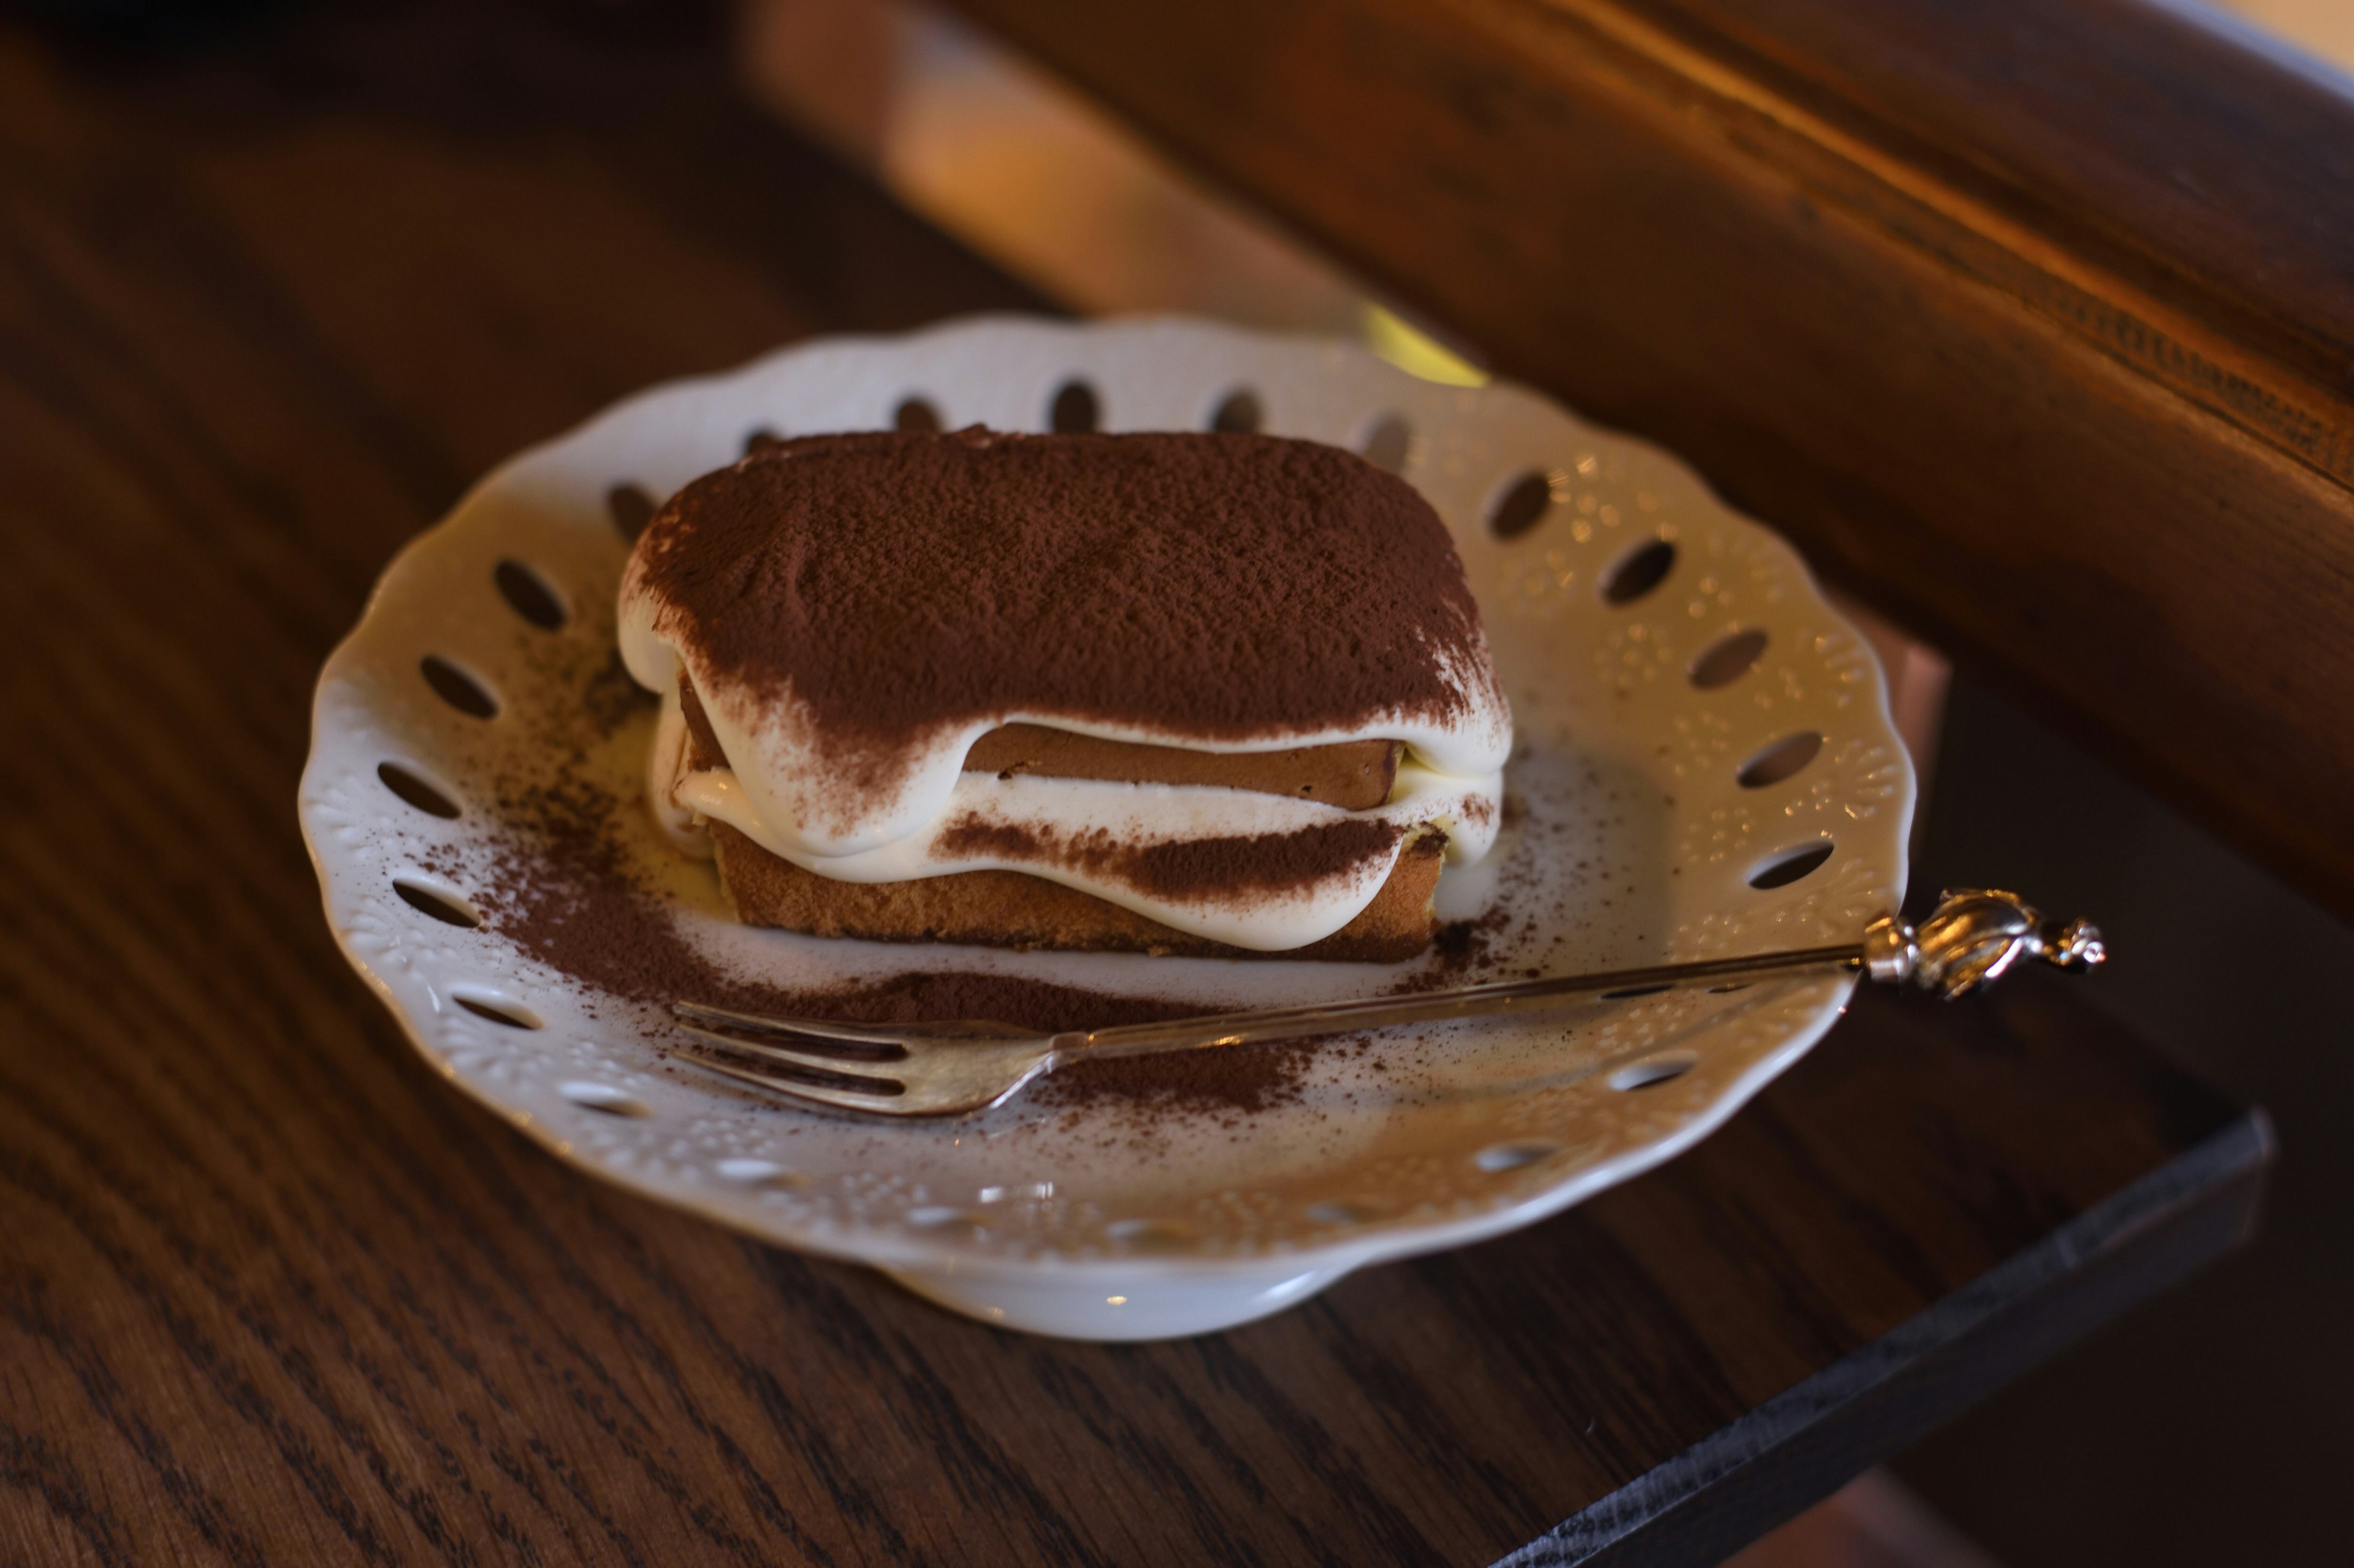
(1727, 660)
(942, 1218)
(530, 594)
(1649, 1074)
(1075, 409)
(1239, 414)
(1504, 1156)
(630, 508)
(604, 1097)
(917, 417)
(1521, 507)
(441, 904)
(1388, 443)
(759, 1174)
(458, 688)
(761, 440)
(1015, 1192)
(1791, 865)
(498, 1010)
(417, 791)
(1627, 993)
(1638, 572)
(1785, 758)
(1150, 1235)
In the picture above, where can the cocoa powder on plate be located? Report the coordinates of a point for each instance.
(563, 889)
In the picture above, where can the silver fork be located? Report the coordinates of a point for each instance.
(960, 1065)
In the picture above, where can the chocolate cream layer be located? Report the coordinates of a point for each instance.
(856, 614)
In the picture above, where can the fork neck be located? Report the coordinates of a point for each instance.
(1366, 1012)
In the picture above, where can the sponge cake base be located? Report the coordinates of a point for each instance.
(1014, 909)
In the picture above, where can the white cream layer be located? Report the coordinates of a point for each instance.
(1071, 811)
(811, 808)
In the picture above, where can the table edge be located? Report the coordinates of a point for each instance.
(1808, 1441)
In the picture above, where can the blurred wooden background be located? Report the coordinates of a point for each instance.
(2219, 960)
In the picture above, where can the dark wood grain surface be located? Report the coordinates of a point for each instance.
(2029, 321)
(271, 1292)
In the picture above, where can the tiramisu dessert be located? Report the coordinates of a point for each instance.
(1204, 693)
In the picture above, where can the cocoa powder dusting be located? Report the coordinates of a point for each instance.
(1227, 1078)
(1232, 868)
(1219, 586)
(1263, 864)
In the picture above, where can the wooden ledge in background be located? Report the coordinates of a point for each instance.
(2032, 326)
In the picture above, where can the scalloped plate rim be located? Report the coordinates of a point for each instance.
(1374, 1243)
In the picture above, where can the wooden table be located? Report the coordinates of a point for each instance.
(271, 1292)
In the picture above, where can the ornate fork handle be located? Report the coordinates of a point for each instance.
(1972, 938)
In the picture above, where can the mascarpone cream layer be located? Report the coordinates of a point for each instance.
(1054, 813)
(812, 807)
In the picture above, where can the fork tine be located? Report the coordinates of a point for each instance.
(809, 1028)
(872, 1103)
(855, 1043)
(806, 1061)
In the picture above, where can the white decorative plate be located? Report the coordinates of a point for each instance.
(1638, 840)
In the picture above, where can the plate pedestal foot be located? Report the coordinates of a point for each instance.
(1105, 1303)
